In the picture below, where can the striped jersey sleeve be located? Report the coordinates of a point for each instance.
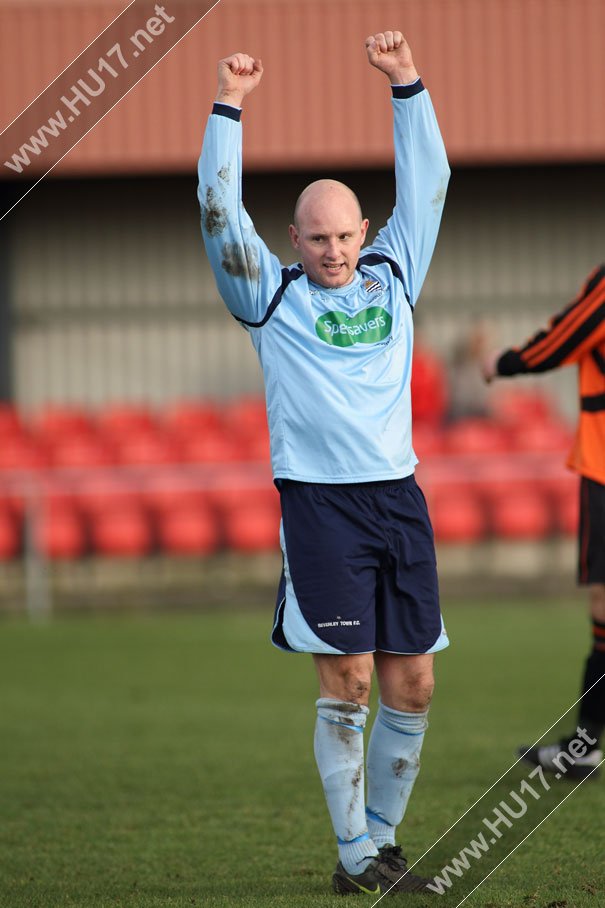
(580, 327)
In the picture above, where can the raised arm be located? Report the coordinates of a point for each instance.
(246, 272)
(421, 167)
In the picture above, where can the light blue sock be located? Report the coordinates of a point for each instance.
(393, 764)
(339, 756)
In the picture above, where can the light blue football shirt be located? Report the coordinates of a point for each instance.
(336, 362)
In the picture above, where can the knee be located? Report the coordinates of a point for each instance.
(414, 693)
(355, 685)
(346, 678)
(420, 693)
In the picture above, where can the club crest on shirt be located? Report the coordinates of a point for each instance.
(372, 285)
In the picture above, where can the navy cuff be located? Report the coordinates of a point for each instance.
(407, 91)
(226, 110)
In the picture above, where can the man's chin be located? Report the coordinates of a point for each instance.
(333, 281)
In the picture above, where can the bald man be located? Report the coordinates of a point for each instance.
(334, 336)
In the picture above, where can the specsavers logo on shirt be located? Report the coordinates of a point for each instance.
(369, 326)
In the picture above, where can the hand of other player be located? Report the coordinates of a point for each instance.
(488, 366)
(390, 53)
(238, 75)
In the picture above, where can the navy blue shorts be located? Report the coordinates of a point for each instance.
(359, 570)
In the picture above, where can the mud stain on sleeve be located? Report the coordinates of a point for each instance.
(214, 215)
(240, 261)
(439, 197)
(224, 173)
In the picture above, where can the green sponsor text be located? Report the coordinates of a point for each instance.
(369, 326)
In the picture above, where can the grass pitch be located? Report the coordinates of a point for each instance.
(167, 761)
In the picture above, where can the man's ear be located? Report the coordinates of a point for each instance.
(294, 237)
(364, 229)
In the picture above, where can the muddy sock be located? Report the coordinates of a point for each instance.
(339, 756)
(393, 764)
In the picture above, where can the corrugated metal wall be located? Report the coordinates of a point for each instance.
(114, 298)
(512, 80)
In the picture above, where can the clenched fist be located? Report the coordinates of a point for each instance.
(238, 75)
(390, 53)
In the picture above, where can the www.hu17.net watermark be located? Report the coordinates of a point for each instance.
(93, 83)
(505, 817)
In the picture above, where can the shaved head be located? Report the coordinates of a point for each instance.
(328, 231)
(321, 192)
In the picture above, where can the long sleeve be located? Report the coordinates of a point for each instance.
(422, 175)
(246, 272)
(579, 328)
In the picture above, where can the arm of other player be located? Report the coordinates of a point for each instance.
(579, 328)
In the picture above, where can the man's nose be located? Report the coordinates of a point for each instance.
(332, 248)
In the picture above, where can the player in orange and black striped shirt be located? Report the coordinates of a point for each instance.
(577, 336)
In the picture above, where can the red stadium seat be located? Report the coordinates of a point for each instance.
(566, 505)
(59, 532)
(147, 448)
(245, 417)
(245, 421)
(11, 423)
(165, 489)
(427, 440)
(475, 436)
(567, 515)
(105, 490)
(543, 436)
(252, 528)
(10, 536)
(121, 532)
(187, 418)
(211, 447)
(13, 498)
(187, 529)
(521, 407)
(240, 491)
(81, 451)
(53, 493)
(118, 420)
(22, 453)
(521, 514)
(429, 387)
(457, 514)
(257, 447)
(499, 475)
(54, 421)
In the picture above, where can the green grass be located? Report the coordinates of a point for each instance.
(167, 761)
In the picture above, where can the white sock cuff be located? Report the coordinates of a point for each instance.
(342, 712)
(404, 723)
